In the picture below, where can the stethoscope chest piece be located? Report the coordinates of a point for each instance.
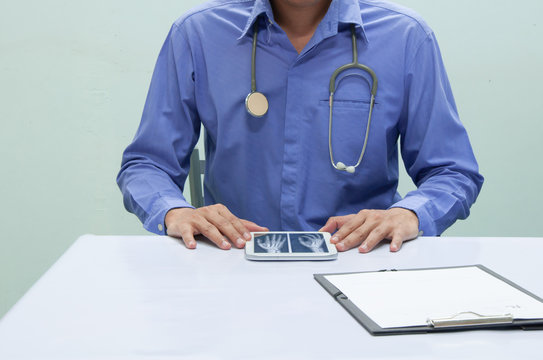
(256, 104)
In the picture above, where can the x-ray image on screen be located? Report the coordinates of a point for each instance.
(271, 243)
(307, 243)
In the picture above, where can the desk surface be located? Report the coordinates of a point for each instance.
(148, 297)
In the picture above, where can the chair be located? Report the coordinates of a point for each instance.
(197, 168)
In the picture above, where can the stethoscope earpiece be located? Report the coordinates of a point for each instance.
(342, 167)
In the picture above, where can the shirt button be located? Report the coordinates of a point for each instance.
(160, 227)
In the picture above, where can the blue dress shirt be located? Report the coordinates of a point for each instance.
(276, 170)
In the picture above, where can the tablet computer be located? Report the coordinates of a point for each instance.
(290, 245)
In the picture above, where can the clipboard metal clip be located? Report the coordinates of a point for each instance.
(470, 318)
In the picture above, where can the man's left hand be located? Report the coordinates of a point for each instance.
(369, 227)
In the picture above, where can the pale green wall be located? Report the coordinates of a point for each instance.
(73, 80)
(493, 50)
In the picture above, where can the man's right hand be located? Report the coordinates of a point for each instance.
(215, 222)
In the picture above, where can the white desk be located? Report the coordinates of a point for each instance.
(127, 297)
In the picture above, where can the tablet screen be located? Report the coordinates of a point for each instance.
(290, 244)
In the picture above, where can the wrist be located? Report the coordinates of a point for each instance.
(408, 214)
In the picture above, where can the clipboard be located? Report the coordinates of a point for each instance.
(460, 321)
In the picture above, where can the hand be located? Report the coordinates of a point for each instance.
(215, 222)
(370, 227)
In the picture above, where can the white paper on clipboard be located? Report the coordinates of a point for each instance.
(408, 298)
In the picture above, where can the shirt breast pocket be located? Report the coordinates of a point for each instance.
(349, 125)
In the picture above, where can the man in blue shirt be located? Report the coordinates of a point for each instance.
(276, 171)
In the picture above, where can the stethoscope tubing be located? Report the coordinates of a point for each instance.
(255, 111)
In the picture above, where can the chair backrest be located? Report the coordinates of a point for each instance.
(197, 168)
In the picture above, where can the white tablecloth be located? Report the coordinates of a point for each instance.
(148, 297)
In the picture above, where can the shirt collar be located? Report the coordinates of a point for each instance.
(339, 12)
(260, 7)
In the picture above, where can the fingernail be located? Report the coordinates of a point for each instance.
(247, 235)
(334, 239)
(192, 244)
(240, 242)
(225, 244)
(393, 248)
(364, 247)
(340, 247)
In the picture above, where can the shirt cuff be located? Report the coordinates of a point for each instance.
(155, 221)
(419, 205)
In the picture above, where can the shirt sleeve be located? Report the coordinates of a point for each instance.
(155, 165)
(435, 146)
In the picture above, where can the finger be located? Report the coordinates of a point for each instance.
(355, 238)
(396, 243)
(212, 233)
(224, 226)
(187, 235)
(237, 224)
(354, 222)
(378, 234)
(336, 222)
(252, 227)
(331, 225)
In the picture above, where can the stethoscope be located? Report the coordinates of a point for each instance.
(257, 104)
